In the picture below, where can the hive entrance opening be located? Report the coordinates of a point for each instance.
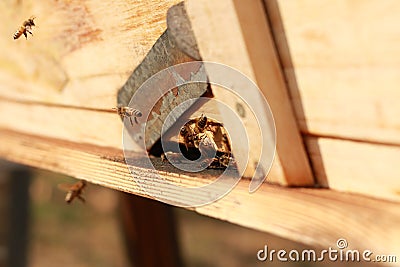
(200, 136)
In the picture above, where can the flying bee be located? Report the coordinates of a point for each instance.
(73, 190)
(128, 112)
(25, 28)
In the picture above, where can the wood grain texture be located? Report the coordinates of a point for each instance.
(81, 52)
(349, 166)
(63, 122)
(313, 216)
(357, 167)
(342, 65)
(248, 47)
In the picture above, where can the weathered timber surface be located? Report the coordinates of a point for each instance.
(350, 166)
(313, 216)
(81, 52)
(342, 64)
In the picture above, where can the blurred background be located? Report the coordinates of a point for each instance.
(38, 228)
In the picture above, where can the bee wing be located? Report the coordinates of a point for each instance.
(65, 187)
(207, 146)
(79, 186)
(72, 187)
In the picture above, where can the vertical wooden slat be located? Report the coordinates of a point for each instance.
(14, 212)
(248, 47)
(149, 229)
(5, 185)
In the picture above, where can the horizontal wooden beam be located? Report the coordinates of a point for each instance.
(80, 125)
(313, 216)
(358, 167)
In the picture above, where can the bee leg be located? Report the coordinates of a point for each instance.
(136, 121)
(26, 36)
(29, 32)
(206, 163)
(81, 199)
(130, 119)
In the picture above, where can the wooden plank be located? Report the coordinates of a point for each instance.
(374, 168)
(329, 215)
(81, 52)
(357, 167)
(248, 47)
(78, 125)
(342, 65)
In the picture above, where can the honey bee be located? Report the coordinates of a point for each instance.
(201, 124)
(25, 28)
(187, 133)
(128, 112)
(73, 190)
(225, 160)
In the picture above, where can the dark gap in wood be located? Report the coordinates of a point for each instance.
(350, 139)
(18, 239)
(150, 232)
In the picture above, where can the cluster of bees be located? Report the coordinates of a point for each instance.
(208, 137)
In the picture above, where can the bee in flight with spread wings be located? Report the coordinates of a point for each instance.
(73, 190)
(128, 112)
(25, 28)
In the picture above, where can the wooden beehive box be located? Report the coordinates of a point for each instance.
(329, 70)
